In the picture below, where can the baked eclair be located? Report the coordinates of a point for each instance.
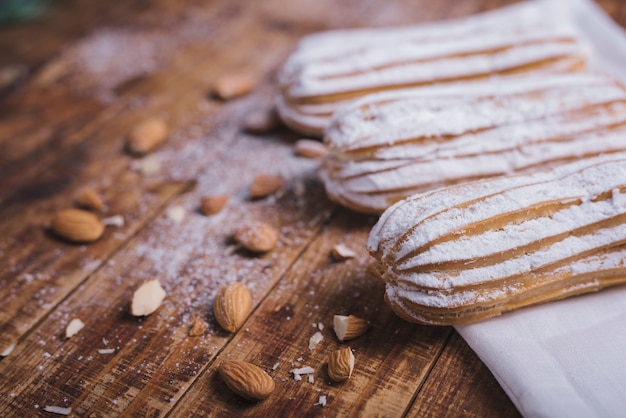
(330, 69)
(385, 147)
(472, 251)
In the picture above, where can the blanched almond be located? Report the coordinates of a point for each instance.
(147, 135)
(232, 306)
(77, 225)
(265, 184)
(256, 236)
(246, 379)
(147, 298)
(349, 327)
(341, 364)
(210, 205)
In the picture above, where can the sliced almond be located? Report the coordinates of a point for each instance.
(232, 86)
(309, 148)
(147, 298)
(341, 364)
(256, 236)
(349, 327)
(261, 121)
(147, 135)
(73, 327)
(246, 379)
(198, 327)
(340, 252)
(265, 184)
(210, 205)
(77, 225)
(232, 306)
(89, 199)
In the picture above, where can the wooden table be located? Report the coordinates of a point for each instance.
(73, 83)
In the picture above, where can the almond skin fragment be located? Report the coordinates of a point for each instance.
(77, 225)
(232, 86)
(210, 205)
(264, 185)
(198, 327)
(341, 364)
(147, 135)
(89, 199)
(232, 306)
(257, 236)
(349, 327)
(246, 379)
(309, 148)
(147, 298)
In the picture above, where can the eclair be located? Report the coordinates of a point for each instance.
(330, 69)
(471, 251)
(385, 147)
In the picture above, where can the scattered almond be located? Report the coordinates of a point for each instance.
(315, 340)
(73, 327)
(210, 205)
(246, 379)
(198, 327)
(147, 135)
(176, 214)
(261, 121)
(232, 306)
(340, 252)
(147, 298)
(115, 220)
(256, 236)
(265, 184)
(7, 350)
(89, 199)
(309, 148)
(147, 166)
(77, 225)
(341, 364)
(232, 86)
(349, 327)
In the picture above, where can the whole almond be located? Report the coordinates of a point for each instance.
(232, 86)
(232, 306)
(341, 364)
(265, 184)
(147, 135)
(261, 121)
(309, 148)
(77, 225)
(246, 379)
(210, 205)
(256, 236)
(349, 327)
(89, 199)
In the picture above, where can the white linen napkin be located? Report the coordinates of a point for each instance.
(565, 358)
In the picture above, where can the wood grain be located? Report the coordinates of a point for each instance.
(63, 126)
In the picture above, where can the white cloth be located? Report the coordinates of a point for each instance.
(565, 358)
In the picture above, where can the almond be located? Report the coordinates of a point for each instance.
(257, 236)
(210, 205)
(261, 121)
(340, 252)
(147, 298)
(232, 306)
(309, 148)
(198, 327)
(89, 199)
(73, 327)
(341, 364)
(349, 327)
(265, 184)
(77, 225)
(232, 86)
(246, 379)
(147, 135)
